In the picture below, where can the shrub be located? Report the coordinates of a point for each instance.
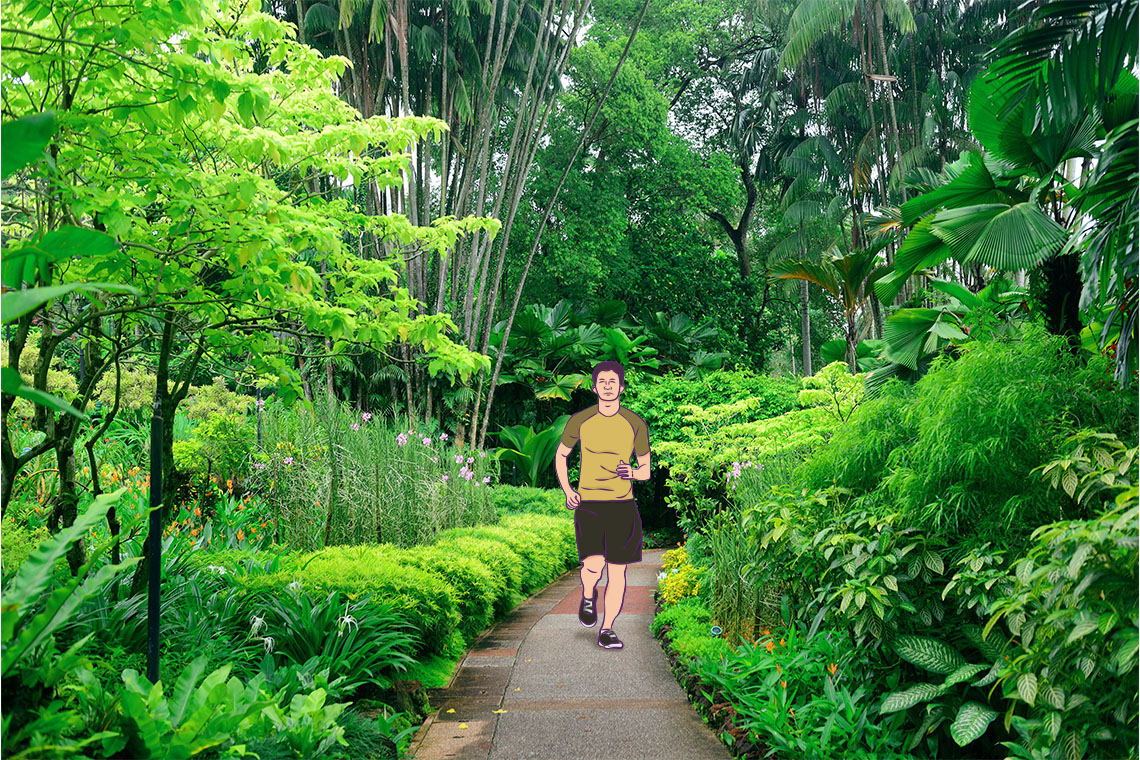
(17, 541)
(855, 456)
(689, 630)
(982, 423)
(805, 694)
(539, 561)
(679, 579)
(660, 400)
(1073, 616)
(514, 499)
(506, 565)
(206, 401)
(421, 597)
(475, 587)
(136, 389)
(556, 532)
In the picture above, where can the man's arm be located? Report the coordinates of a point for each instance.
(573, 499)
(641, 472)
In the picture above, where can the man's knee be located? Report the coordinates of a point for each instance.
(594, 563)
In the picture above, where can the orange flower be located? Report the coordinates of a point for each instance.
(263, 525)
(765, 631)
(832, 667)
(198, 511)
(793, 712)
(783, 684)
(781, 642)
(778, 671)
(769, 646)
(240, 536)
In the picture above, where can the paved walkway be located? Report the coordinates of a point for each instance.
(537, 685)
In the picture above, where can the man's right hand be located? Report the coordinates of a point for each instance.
(573, 499)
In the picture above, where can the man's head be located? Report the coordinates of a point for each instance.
(609, 380)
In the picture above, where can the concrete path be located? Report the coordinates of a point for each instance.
(537, 685)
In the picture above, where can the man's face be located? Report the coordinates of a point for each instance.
(607, 386)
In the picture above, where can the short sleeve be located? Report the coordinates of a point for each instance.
(641, 438)
(573, 430)
(640, 432)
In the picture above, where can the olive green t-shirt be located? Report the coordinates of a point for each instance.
(605, 442)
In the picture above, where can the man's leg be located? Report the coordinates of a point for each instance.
(591, 574)
(615, 594)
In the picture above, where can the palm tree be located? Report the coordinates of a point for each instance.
(848, 279)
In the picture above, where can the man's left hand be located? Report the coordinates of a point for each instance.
(624, 471)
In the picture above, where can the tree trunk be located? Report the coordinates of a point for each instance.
(805, 329)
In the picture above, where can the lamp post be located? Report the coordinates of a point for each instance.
(155, 539)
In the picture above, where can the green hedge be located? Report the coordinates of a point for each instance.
(510, 500)
(451, 590)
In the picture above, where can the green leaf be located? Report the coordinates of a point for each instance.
(909, 697)
(1081, 629)
(964, 673)
(68, 242)
(928, 653)
(17, 303)
(245, 107)
(972, 721)
(14, 385)
(1027, 687)
(24, 141)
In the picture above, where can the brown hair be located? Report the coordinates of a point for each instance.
(610, 367)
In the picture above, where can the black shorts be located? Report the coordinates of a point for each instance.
(609, 528)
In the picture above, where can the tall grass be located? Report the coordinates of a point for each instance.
(334, 476)
(737, 600)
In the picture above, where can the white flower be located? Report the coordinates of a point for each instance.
(345, 620)
(268, 641)
(295, 586)
(257, 624)
(216, 569)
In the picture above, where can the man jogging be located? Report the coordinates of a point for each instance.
(606, 521)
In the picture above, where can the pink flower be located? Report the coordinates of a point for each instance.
(458, 458)
(443, 479)
(470, 460)
(401, 440)
(355, 426)
(288, 460)
(366, 416)
(435, 459)
(468, 474)
(427, 442)
(487, 479)
(443, 436)
(482, 454)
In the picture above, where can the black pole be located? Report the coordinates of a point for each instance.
(155, 539)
